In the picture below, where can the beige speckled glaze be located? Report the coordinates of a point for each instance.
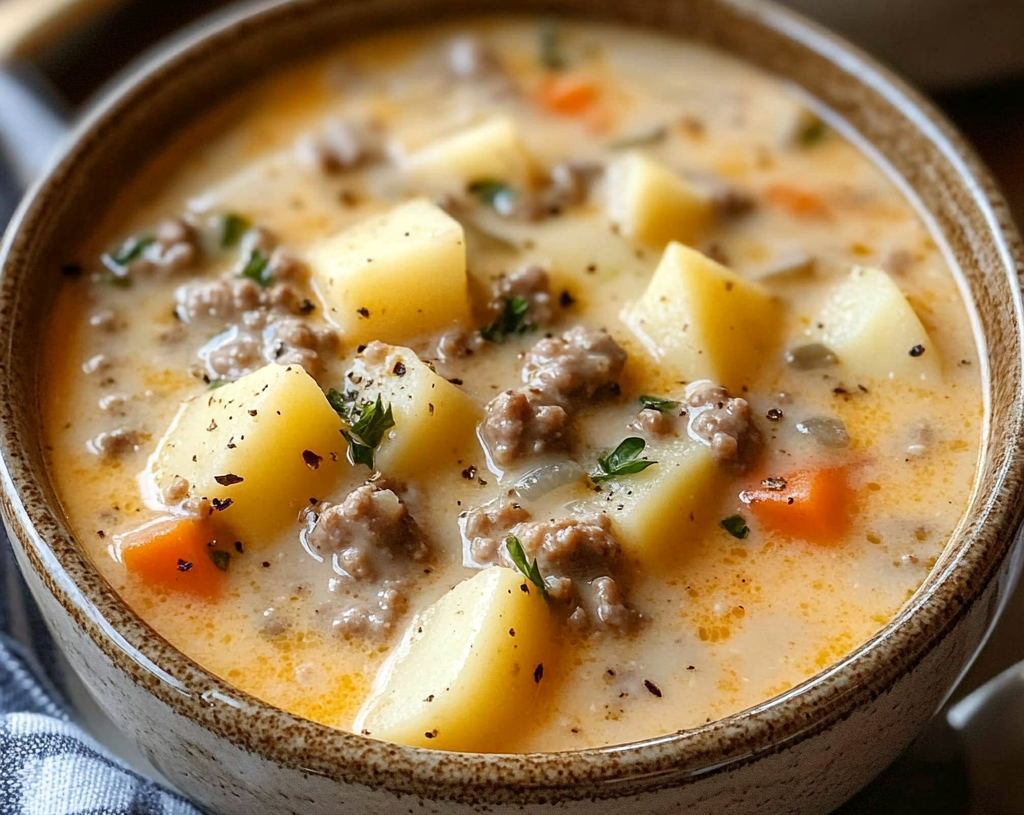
(803, 752)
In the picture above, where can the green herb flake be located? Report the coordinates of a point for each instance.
(131, 249)
(119, 260)
(220, 558)
(551, 54)
(232, 228)
(660, 405)
(647, 138)
(736, 525)
(257, 268)
(813, 132)
(530, 570)
(623, 460)
(511, 322)
(370, 421)
(498, 195)
(219, 383)
(342, 406)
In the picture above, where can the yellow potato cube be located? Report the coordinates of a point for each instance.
(467, 668)
(395, 276)
(699, 320)
(435, 422)
(870, 326)
(657, 511)
(267, 443)
(490, 151)
(651, 203)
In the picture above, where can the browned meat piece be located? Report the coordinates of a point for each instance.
(284, 266)
(458, 343)
(368, 535)
(176, 247)
(573, 367)
(731, 203)
(609, 606)
(373, 544)
(516, 426)
(654, 423)
(340, 146)
(724, 423)
(224, 299)
(470, 58)
(281, 265)
(292, 341)
(484, 529)
(371, 618)
(557, 544)
(232, 354)
(116, 444)
(176, 490)
(576, 556)
(530, 282)
(570, 184)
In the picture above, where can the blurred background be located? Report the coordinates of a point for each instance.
(968, 55)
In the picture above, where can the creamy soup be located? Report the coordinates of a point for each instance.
(513, 386)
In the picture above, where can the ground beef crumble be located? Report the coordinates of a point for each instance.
(530, 282)
(574, 367)
(375, 547)
(341, 145)
(577, 556)
(515, 425)
(724, 423)
(485, 527)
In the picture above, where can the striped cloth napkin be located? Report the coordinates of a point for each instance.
(48, 764)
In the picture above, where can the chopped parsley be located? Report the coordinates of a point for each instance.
(660, 405)
(232, 228)
(342, 406)
(498, 195)
(257, 268)
(369, 422)
(220, 559)
(551, 55)
(529, 570)
(736, 526)
(219, 383)
(623, 460)
(511, 322)
(120, 259)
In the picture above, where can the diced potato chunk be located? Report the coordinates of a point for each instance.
(435, 422)
(651, 203)
(874, 331)
(489, 151)
(656, 512)
(699, 320)
(467, 668)
(267, 443)
(395, 276)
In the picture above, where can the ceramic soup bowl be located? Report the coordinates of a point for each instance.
(805, 751)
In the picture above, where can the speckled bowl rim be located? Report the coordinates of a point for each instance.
(984, 539)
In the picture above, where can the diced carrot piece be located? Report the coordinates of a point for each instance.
(174, 555)
(568, 95)
(811, 505)
(798, 202)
